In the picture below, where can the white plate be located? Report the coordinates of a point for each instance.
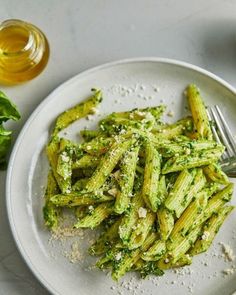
(28, 169)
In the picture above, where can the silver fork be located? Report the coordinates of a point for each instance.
(223, 135)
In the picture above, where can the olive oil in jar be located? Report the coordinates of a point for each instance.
(24, 52)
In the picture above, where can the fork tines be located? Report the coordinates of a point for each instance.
(221, 131)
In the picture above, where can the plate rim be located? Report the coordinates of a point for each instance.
(41, 279)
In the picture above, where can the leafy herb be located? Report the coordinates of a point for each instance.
(8, 111)
(150, 268)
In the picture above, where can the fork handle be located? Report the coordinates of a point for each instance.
(231, 173)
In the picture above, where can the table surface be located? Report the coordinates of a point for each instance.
(83, 34)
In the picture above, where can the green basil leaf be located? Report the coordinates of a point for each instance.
(7, 109)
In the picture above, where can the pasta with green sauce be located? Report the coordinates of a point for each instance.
(158, 187)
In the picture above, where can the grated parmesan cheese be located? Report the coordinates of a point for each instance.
(205, 235)
(113, 192)
(65, 158)
(116, 175)
(142, 212)
(94, 111)
(156, 89)
(118, 256)
(228, 252)
(170, 114)
(75, 254)
(187, 151)
(228, 271)
(89, 117)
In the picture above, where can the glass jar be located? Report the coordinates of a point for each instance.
(24, 51)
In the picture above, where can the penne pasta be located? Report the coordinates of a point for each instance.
(50, 211)
(166, 222)
(52, 154)
(193, 160)
(88, 135)
(199, 113)
(77, 112)
(186, 147)
(151, 177)
(185, 223)
(141, 230)
(98, 145)
(166, 263)
(210, 229)
(107, 164)
(97, 215)
(180, 189)
(155, 252)
(173, 130)
(130, 258)
(126, 180)
(130, 218)
(214, 203)
(215, 173)
(199, 182)
(78, 199)
(183, 244)
(106, 240)
(86, 161)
